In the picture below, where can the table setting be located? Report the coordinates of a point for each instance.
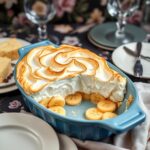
(81, 85)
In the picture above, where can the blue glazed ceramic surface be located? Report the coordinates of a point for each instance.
(74, 123)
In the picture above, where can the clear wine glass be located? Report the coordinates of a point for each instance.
(40, 12)
(121, 9)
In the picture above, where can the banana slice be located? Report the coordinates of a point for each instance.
(45, 102)
(95, 98)
(108, 115)
(73, 99)
(58, 109)
(93, 114)
(106, 106)
(56, 101)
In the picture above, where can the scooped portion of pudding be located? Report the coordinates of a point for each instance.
(48, 71)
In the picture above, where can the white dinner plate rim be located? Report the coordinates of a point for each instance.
(42, 130)
(7, 38)
(8, 89)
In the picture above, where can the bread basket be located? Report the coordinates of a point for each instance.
(74, 124)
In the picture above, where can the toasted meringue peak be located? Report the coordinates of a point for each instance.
(45, 66)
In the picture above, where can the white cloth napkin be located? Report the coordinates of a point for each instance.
(135, 139)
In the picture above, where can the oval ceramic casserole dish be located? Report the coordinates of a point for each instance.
(75, 125)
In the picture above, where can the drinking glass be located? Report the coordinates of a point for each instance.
(40, 12)
(121, 9)
(145, 23)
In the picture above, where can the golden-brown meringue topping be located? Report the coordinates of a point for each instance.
(44, 65)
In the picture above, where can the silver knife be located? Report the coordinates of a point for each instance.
(132, 53)
(138, 68)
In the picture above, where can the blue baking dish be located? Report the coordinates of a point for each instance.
(74, 124)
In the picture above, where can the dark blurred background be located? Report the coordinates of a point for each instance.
(68, 11)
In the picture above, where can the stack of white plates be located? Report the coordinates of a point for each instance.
(101, 35)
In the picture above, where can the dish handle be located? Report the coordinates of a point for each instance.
(24, 50)
(127, 120)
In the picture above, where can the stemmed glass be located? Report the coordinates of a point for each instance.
(121, 9)
(40, 12)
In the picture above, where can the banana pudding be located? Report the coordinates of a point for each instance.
(65, 72)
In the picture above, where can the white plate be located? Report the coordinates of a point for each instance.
(8, 89)
(126, 62)
(66, 143)
(20, 131)
(11, 81)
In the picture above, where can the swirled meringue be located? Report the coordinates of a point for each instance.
(48, 71)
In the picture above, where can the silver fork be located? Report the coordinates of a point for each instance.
(138, 68)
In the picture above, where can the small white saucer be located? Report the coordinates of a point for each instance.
(126, 62)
